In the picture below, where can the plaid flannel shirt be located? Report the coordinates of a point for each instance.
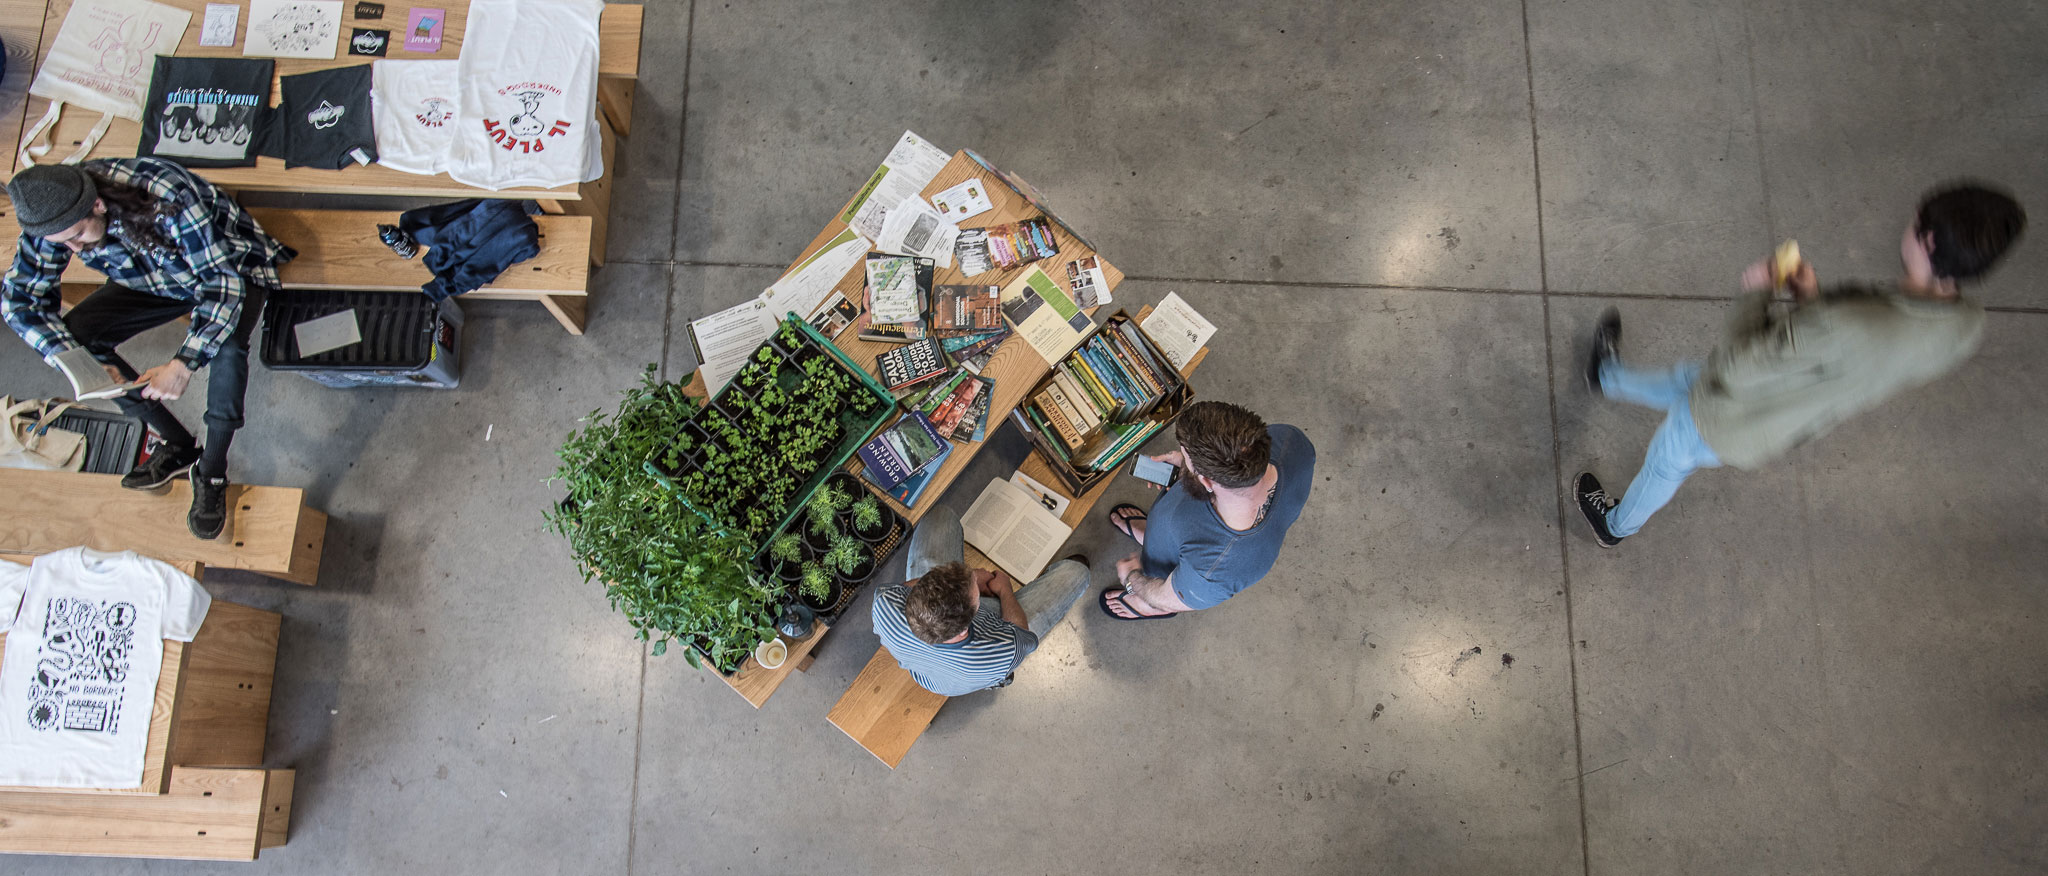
(217, 248)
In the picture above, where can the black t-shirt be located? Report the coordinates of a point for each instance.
(206, 112)
(324, 120)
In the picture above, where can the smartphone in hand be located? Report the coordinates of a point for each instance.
(1147, 468)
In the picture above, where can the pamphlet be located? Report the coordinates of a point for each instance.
(963, 201)
(810, 283)
(330, 332)
(218, 28)
(89, 379)
(834, 316)
(1178, 330)
(972, 249)
(293, 29)
(892, 289)
(1044, 315)
(913, 228)
(1008, 524)
(423, 29)
(725, 339)
(910, 167)
(1091, 288)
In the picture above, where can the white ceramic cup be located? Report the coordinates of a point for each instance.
(771, 653)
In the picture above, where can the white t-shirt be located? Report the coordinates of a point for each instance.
(85, 633)
(527, 114)
(413, 105)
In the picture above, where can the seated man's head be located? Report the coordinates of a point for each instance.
(942, 604)
(1225, 447)
(60, 203)
(1960, 231)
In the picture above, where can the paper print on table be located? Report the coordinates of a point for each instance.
(219, 27)
(423, 30)
(369, 11)
(1044, 315)
(293, 28)
(369, 43)
(964, 200)
(82, 667)
(909, 167)
(1085, 278)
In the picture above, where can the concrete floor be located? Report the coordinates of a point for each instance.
(1404, 217)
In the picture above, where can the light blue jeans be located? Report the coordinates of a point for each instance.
(1676, 451)
(1046, 600)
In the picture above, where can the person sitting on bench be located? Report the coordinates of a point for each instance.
(958, 630)
(171, 245)
(1245, 484)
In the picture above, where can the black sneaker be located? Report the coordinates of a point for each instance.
(1593, 503)
(165, 464)
(209, 515)
(1606, 345)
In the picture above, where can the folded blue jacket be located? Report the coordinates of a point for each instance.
(472, 242)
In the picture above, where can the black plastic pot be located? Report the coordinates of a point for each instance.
(818, 544)
(875, 536)
(831, 599)
(860, 575)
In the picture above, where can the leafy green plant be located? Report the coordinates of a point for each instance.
(817, 581)
(674, 573)
(786, 548)
(867, 514)
(824, 508)
(846, 554)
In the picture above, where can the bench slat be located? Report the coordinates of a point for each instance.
(208, 814)
(271, 531)
(885, 710)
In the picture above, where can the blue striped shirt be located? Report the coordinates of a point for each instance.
(217, 248)
(985, 658)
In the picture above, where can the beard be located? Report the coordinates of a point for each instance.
(1194, 488)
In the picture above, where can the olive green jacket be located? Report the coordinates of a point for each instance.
(1778, 381)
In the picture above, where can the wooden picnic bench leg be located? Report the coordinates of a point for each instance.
(569, 310)
(615, 95)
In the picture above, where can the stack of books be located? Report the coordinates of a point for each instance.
(1096, 403)
(958, 405)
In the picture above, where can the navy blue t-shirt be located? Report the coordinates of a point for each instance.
(1209, 562)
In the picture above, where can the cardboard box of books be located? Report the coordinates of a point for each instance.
(1101, 402)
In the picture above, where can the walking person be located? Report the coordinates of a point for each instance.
(1243, 485)
(171, 245)
(958, 630)
(1778, 381)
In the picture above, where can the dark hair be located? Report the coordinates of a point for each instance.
(1972, 224)
(135, 208)
(942, 604)
(1225, 443)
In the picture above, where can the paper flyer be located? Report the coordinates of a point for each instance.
(1177, 329)
(910, 167)
(293, 29)
(807, 285)
(913, 228)
(725, 339)
(1041, 311)
(964, 201)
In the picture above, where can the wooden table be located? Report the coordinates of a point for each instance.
(1015, 367)
(618, 65)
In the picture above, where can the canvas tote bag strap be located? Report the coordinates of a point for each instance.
(35, 143)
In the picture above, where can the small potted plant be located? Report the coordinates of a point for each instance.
(868, 523)
(786, 555)
(821, 588)
(851, 561)
(823, 514)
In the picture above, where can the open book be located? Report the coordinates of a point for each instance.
(89, 379)
(1013, 529)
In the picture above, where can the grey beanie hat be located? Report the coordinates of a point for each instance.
(49, 198)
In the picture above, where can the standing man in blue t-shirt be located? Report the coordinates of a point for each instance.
(1245, 483)
(957, 629)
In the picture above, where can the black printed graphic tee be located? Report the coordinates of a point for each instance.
(324, 120)
(206, 112)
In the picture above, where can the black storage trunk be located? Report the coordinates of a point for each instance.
(408, 340)
(112, 441)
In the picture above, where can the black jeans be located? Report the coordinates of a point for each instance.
(109, 317)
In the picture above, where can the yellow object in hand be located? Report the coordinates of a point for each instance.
(1785, 262)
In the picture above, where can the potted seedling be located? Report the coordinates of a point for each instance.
(869, 523)
(823, 514)
(821, 589)
(852, 562)
(786, 551)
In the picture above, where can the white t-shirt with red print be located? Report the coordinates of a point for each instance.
(527, 113)
(85, 644)
(413, 105)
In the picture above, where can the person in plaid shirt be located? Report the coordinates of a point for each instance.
(172, 245)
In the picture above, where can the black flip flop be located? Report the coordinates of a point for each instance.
(1120, 524)
(1103, 600)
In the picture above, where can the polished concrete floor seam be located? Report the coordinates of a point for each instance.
(1564, 556)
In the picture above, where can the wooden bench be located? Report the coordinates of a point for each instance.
(271, 531)
(201, 795)
(885, 710)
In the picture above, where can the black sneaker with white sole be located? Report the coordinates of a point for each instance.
(1606, 345)
(209, 514)
(164, 465)
(1594, 503)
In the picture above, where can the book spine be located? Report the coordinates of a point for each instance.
(1107, 375)
(1167, 376)
(1089, 413)
(1063, 427)
(1071, 367)
(1067, 408)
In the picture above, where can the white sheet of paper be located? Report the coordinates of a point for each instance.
(1009, 526)
(293, 29)
(330, 332)
(1048, 498)
(219, 26)
(1177, 329)
(963, 201)
(913, 228)
(725, 339)
(806, 287)
(910, 167)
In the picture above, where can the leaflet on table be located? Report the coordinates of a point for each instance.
(1177, 329)
(1044, 315)
(807, 285)
(725, 339)
(913, 228)
(910, 167)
